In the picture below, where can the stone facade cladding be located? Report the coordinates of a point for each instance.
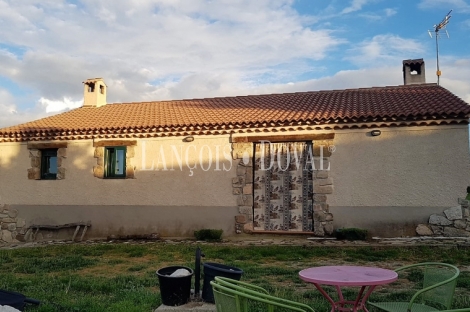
(453, 222)
(11, 225)
(242, 186)
(34, 173)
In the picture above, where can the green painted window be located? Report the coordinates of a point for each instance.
(49, 164)
(115, 162)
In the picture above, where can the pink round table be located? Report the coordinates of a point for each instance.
(344, 275)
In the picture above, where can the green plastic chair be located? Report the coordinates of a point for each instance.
(239, 285)
(438, 286)
(236, 296)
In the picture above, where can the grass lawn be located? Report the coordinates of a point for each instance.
(121, 276)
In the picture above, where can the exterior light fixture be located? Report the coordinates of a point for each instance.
(375, 132)
(188, 139)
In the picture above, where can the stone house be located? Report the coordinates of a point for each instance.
(382, 159)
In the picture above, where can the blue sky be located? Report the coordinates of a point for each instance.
(174, 49)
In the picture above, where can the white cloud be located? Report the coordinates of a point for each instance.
(455, 75)
(9, 111)
(390, 12)
(385, 49)
(174, 49)
(355, 5)
(461, 5)
(7, 102)
(204, 34)
(378, 15)
(345, 79)
(142, 48)
(10, 114)
(373, 16)
(454, 78)
(52, 106)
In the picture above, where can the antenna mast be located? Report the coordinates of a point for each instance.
(437, 28)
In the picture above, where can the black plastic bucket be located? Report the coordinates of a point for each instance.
(212, 270)
(174, 290)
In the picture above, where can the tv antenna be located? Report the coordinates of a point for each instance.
(441, 26)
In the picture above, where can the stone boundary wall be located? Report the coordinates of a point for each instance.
(242, 187)
(453, 222)
(12, 227)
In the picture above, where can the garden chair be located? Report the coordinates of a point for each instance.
(232, 283)
(236, 296)
(438, 282)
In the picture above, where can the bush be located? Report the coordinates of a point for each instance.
(208, 234)
(351, 234)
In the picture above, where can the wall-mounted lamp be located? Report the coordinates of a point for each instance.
(188, 139)
(375, 132)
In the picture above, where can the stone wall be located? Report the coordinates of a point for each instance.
(453, 222)
(242, 186)
(12, 227)
(34, 173)
(322, 186)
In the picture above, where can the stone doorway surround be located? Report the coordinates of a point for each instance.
(242, 184)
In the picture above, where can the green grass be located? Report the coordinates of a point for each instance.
(121, 277)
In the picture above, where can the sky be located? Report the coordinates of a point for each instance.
(150, 50)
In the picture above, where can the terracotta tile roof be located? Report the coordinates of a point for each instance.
(381, 106)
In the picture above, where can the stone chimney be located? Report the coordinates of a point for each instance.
(94, 92)
(413, 72)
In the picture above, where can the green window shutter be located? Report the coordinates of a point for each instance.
(115, 162)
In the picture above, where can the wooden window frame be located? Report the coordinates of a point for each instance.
(110, 162)
(46, 154)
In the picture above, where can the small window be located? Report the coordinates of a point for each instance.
(101, 89)
(115, 162)
(91, 87)
(49, 164)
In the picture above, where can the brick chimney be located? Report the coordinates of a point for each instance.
(94, 92)
(413, 72)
